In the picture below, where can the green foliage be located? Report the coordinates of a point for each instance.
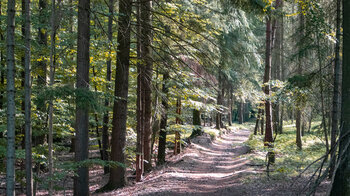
(289, 160)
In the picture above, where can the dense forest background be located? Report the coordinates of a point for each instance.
(120, 87)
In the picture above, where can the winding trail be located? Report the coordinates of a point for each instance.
(204, 168)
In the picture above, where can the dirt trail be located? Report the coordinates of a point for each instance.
(202, 169)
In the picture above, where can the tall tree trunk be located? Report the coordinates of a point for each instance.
(298, 117)
(277, 60)
(23, 76)
(42, 65)
(27, 115)
(147, 61)
(140, 99)
(81, 183)
(340, 185)
(268, 140)
(11, 107)
(323, 123)
(336, 93)
(117, 177)
(2, 68)
(52, 81)
(163, 121)
(105, 135)
(282, 67)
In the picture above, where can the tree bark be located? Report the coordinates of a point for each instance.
(27, 92)
(42, 66)
(298, 117)
(105, 135)
(140, 100)
(2, 67)
(268, 140)
(117, 177)
(81, 183)
(340, 185)
(230, 108)
(11, 107)
(52, 81)
(177, 148)
(240, 112)
(163, 121)
(147, 61)
(336, 92)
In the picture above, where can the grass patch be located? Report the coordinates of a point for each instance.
(289, 160)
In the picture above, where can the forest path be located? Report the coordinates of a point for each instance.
(203, 168)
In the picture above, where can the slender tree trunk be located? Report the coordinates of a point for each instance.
(140, 100)
(105, 135)
(23, 76)
(11, 107)
(146, 55)
(163, 121)
(298, 119)
(258, 118)
(27, 115)
(262, 122)
(282, 67)
(336, 93)
(340, 185)
(177, 148)
(324, 126)
(268, 140)
(310, 121)
(240, 112)
(81, 183)
(42, 65)
(2, 67)
(52, 80)
(230, 102)
(219, 101)
(117, 177)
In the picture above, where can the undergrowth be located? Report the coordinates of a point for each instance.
(289, 160)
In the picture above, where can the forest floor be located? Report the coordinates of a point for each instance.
(223, 166)
(218, 167)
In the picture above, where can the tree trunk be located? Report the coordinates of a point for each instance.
(230, 107)
(177, 148)
(117, 177)
(27, 90)
(336, 93)
(240, 112)
(52, 81)
(163, 122)
(258, 118)
(298, 117)
(140, 99)
(11, 107)
(262, 122)
(219, 102)
(268, 140)
(42, 66)
(2, 68)
(340, 185)
(105, 135)
(146, 55)
(81, 183)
